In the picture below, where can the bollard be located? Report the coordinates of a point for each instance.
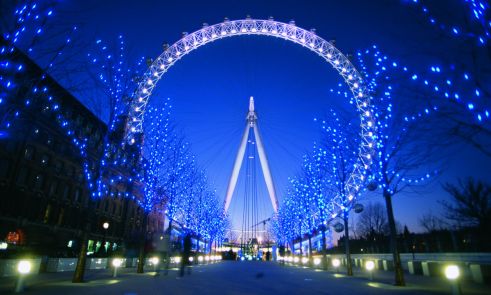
(155, 263)
(336, 263)
(452, 273)
(24, 267)
(116, 263)
(370, 265)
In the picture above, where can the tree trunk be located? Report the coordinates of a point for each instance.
(398, 271)
(78, 275)
(324, 249)
(349, 266)
(141, 256)
(310, 246)
(311, 263)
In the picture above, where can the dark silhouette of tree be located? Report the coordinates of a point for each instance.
(430, 222)
(470, 204)
(373, 220)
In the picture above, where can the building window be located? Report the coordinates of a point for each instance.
(4, 168)
(69, 171)
(62, 148)
(22, 177)
(80, 177)
(88, 128)
(76, 197)
(79, 120)
(53, 187)
(66, 191)
(58, 166)
(29, 153)
(47, 213)
(49, 141)
(38, 182)
(44, 160)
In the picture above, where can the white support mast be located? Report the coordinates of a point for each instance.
(251, 123)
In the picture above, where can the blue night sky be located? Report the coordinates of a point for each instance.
(210, 87)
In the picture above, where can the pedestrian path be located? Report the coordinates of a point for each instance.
(230, 277)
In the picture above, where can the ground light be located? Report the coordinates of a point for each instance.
(336, 263)
(116, 264)
(24, 268)
(452, 273)
(370, 266)
(155, 262)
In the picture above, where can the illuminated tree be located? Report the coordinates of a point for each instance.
(339, 154)
(403, 137)
(325, 174)
(460, 78)
(476, 29)
(173, 179)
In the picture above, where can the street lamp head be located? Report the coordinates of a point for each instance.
(336, 262)
(370, 265)
(317, 261)
(105, 225)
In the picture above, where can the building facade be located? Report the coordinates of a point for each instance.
(45, 204)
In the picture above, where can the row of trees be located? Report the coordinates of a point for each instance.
(172, 177)
(419, 113)
(324, 174)
(159, 173)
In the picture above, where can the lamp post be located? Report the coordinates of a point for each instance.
(116, 264)
(370, 265)
(105, 226)
(452, 273)
(336, 263)
(305, 260)
(23, 267)
(259, 243)
(155, 263)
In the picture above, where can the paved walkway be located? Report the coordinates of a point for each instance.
(235, 278)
